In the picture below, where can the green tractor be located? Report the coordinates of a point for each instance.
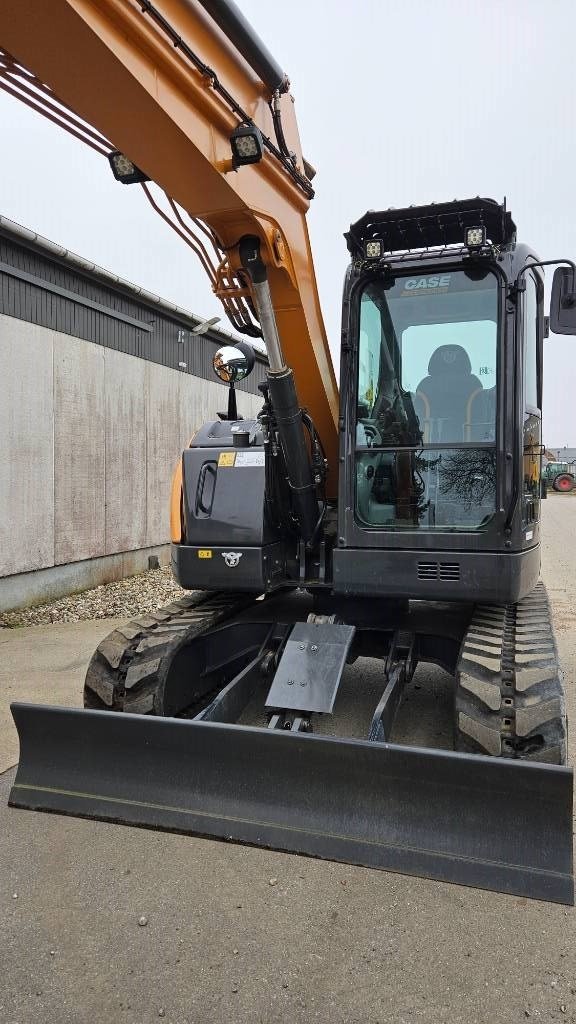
(560, 475)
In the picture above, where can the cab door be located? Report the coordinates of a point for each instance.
(532, 331)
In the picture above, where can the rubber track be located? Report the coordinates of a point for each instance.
(128, 668)
(509, 692)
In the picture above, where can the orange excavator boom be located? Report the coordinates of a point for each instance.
(167, 84)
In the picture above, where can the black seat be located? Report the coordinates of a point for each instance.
(445, 394)
(481, 425)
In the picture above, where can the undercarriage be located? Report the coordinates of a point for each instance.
(241, 720)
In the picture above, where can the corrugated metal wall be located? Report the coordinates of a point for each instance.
(33, 287)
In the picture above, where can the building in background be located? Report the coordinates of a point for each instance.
(102, 385)
(564, 454)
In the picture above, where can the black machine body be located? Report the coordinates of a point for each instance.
(440, 428)
(233, 539)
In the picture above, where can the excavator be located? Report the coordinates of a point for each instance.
(394, 520)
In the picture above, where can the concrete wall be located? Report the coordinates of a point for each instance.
(89, 437)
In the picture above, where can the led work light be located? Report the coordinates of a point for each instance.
(475, 238)
(373, 249)
(247, 146)
(124, 170)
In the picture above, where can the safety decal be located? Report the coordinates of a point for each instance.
(226, 459)
(249, 459)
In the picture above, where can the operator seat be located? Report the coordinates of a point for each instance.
(481, 419)
(445, 394)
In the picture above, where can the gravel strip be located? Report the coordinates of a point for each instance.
(135, 595)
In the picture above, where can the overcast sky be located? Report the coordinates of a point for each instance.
(398, 103)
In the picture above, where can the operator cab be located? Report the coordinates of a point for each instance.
(443, 383)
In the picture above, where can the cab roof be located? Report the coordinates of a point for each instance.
(438, 224)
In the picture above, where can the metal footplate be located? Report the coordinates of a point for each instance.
(310, 668)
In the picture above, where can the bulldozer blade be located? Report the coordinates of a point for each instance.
(485, 822)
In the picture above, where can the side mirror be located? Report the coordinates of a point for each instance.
(563, 302)
(233, 363)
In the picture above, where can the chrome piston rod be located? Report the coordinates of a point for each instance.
(265, 310)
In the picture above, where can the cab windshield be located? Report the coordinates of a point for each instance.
(426, 409)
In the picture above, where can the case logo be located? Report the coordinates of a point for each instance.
(232, 558)
(436, 281)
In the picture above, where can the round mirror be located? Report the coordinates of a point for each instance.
(233, 362)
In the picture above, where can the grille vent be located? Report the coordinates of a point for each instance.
(427, 570)
(448, 572)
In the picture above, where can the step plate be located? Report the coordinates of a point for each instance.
(485, 822)
(311, 666)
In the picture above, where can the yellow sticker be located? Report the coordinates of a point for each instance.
(226, 458)
(204, 553)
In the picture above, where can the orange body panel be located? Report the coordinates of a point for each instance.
(176, 505)
(115, 68)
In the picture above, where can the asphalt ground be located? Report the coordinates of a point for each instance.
(237, 934)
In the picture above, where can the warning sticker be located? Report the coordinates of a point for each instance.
(226, 458)
(204, 553)
(248, 458)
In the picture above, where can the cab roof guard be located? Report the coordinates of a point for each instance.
(438, 224)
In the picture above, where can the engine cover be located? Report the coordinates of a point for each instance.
(230, 541)
(225, 487)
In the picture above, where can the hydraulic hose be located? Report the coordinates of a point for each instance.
(239, 31)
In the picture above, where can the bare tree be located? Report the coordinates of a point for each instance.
(468, 473)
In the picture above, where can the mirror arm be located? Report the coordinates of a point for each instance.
(232, 413)
(570, 300)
